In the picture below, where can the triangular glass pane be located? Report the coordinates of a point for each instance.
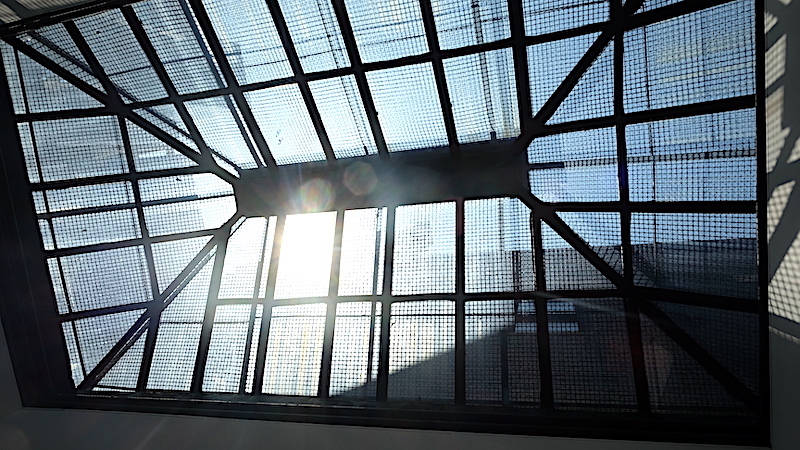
(593, 95)
(242, 257)
(96, 335)
(167, 119)
(47, 91)
(55, 43)
(677, 382)
(601, 230)
(731, 337)
(566, 268)
(125, 373)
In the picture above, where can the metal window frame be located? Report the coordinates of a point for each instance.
(39, 356)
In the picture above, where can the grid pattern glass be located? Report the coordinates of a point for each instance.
(343, 116)
(502, 356)
(356, 340)
(497, 242)
(315, 33)
(387, 30)
(294, 350)
(226, 349)
(362, 254)
(699, 57)
(550, 62)
(484, 95)
(421, 350)
(550, 16)
(123, 60)
(565, 268)
(424, 249)
(249, 39)
(408, 107)
(706, 253)
(460, 23)
(709, 157)
(221, 126)
(283, 118)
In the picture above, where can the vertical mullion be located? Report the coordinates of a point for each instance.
(208, 318)
(300, 77)
(266, 311)
(632, 319)
(330, 317)
(253, 308)
(520, 52)
(230, 79)
(762, 198)
(361, 80)
(460, 328)
(153, 309)
(542, 322)
(386, 307)
(374, 292)
(438, 72)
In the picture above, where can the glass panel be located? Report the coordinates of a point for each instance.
(363, 246)
(354, 361)
(484, 95)
(709, 157)
(565, 268)
(242, 256)
(593, 96)
(194, 215)
(226, 349)
(421, 350)
(424, 249)
(408, 107)
(706, 253)
(221, 126)
(249, 39)
(304, 269)
(46, 91)
(497, 246)
(315, 33)
(175, 35)
(123, 60)
(549, 16)
(461, 23)
(283, 119)
(699, 57)
(294, 350)
(339, 103)
(550, 62)
(387, 30)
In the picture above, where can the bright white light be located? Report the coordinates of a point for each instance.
(306, 252)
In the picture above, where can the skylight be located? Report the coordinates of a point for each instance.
(514, 216)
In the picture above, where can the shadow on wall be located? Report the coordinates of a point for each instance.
(783, 214)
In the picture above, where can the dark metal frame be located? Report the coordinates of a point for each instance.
(38, 353)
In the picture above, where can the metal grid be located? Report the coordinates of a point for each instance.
(497, 241)
(421, 359)
(407, 106)
(493, 113)
(701, 158)
(284, 120)
(550, 16)
(584, 118)
(424, 249)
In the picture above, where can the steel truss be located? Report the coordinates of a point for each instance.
(637, 300)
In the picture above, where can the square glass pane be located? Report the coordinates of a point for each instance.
(304, 269)
(294, 350)
(356, 342)
(282, 116)
(387, 30)
(363, 246)
(424, 249)
(180, 46)
(483, 93)
(249, 39)
(461, 23)
(408, 107)
(549, 16)
(342, 111)
(315, 34)
(221, 126)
